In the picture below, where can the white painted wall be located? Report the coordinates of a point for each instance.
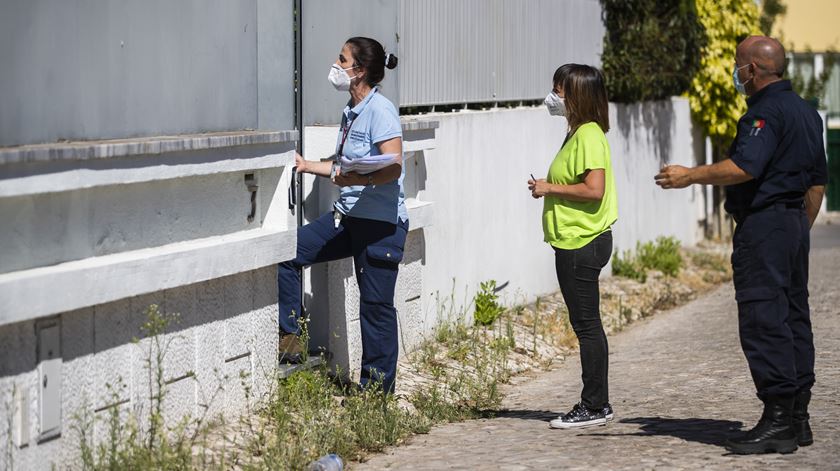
(227, 327)
(90, 243)
(485, 224)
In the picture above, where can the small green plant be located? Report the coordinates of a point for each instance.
(487, 307)
(663, 255)
(628, 266)
(709, 261)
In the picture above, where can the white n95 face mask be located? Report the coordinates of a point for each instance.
(339, 79)
(556, 105)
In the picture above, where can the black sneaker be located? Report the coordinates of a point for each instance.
(580, 416)
(608, 412)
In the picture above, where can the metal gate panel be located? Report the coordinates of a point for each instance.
(467, 51)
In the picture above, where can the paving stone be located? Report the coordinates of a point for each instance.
(679, 385)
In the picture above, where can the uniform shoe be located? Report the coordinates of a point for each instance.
(804, 437)
(580, 416)
(290, 349)
(773, 434)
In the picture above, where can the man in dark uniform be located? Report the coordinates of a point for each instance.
(775, 177)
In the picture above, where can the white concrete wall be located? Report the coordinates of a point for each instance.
(227, 327)
(92, 235)
(485, 224)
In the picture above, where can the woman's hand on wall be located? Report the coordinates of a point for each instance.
(300, 163)
(321, 169)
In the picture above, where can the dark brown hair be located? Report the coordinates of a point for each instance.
(586, 97)
(560, 74)
(370, 55)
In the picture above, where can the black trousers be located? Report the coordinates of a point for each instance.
(577, 272)
(770, 268)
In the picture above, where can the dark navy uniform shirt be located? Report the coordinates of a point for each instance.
(780, 144)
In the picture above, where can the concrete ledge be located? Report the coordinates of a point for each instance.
(420, 213)
(115, 148)
(37, 292)
(147, 169)
(418, 124)
(419, 135)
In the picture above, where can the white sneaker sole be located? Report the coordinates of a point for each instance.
(559, 424)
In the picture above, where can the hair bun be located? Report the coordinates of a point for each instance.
(390, 61)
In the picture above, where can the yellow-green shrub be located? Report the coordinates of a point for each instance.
(715, 104)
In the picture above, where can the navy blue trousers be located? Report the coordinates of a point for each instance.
(770, 265)
(377, 249)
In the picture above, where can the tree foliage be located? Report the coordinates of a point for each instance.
(770, 10)
(715, 104)
(651, 48)
(812, 87)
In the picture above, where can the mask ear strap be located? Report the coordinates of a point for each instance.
(357, 74)
(753, 67)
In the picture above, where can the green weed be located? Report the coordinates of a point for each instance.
(662, 255)
(487, 307)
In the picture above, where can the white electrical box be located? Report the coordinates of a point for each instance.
(49, 378)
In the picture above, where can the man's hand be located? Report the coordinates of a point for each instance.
(539, 188)
(673, 176)
(813, 201)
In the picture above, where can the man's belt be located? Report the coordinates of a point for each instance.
(739, 216)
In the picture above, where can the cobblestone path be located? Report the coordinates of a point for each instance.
(679, 385)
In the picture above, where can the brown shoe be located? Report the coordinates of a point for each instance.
(290, 349)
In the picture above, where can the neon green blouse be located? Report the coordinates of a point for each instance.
(573, 224)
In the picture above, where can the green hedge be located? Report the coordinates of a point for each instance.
(651, 48)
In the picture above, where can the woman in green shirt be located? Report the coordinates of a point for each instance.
(579, 209)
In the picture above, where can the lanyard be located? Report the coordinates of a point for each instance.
(344, 136)
(349, 123)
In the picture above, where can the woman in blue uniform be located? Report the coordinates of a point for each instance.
(369, 221)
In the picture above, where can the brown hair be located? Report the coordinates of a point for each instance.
(369, 54)
(560, 74)
(586, 97)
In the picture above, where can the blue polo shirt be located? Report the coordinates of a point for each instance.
(373, 120)
(780, 144)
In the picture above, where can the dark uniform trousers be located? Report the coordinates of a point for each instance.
(770, 265)
(377, 249)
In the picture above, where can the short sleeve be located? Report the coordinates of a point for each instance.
(592, 151)
(385, 122)
(757, 141)
(819, 172)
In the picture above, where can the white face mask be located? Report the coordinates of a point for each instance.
(339, 79)
(556, 105)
